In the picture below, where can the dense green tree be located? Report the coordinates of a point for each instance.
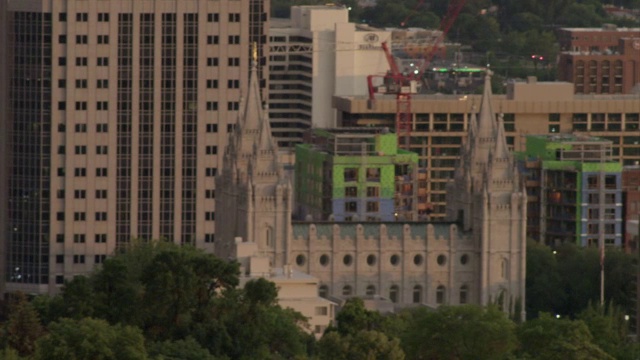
(248, 325)
(49, 308)
(526, 21)
(187, 349)
(620, 279)
(550, 338)
(160, 287)
(610, 330)
(460, 332)
(547, 10)
(261, 292)
(580, 273)
(118, 292)
(23, 327)
(564, 280)
(9, 354)
(543, 282)
(179, 297)
(88, 338)
(364, 345)
(78, 298)
(581, 15)
(354, 317)
(179, 284)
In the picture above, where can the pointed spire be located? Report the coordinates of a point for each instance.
(473, 121)
(252, 109)
(486, 121)
(501, 150)
(251, 113)
(472, 129)
(266, 139)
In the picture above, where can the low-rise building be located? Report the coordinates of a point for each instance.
(574, 190)
(296, 290)
(356, 175)
(631, 205)
(602, 60)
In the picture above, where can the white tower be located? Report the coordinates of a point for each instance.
(254, 194)
(488, 198)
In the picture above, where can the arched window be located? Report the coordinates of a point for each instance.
(347, 290)
(393, 293)
(268, 236)
(323, 291)
(464, 294)
(417, 294)
(618, 65)
(440, 293)
(371, 290)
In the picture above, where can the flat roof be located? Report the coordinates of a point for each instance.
(599, 29)
(325, 6)
(348, 131)
(570, 138)
(279, 273)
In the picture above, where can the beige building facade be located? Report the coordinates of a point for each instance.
(296, 290)
(116, 113)
(440, 123)
(314, 55)
(477, 257)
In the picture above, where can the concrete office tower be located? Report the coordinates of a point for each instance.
(116, 110)
(440, 122)
(317, 54)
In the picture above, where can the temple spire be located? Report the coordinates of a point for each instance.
(501, 150)
(486, 121)
(251, 111)
(472, 132)
(254, 54)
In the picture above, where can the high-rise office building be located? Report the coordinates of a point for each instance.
(314, 55)
(439, 123)
(116, 113)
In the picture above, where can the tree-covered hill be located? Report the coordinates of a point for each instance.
(505, 32)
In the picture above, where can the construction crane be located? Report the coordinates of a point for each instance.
(403, 85)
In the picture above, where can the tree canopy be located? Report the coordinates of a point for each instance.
(163, 301)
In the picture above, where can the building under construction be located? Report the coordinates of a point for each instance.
(574, 190)
(357, 175)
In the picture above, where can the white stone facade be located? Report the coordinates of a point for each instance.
(477, 257)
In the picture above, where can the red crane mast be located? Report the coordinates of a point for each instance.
(403, 85)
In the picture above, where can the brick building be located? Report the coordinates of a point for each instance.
(600, 60)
